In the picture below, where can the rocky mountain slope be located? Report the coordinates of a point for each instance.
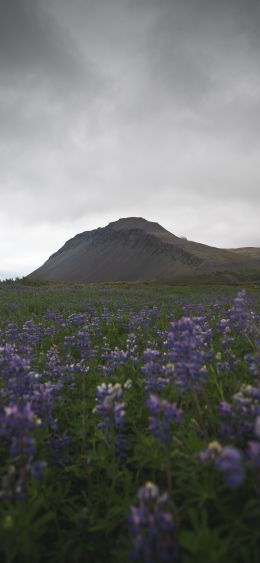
(135, 249)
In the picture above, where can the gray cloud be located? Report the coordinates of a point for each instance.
(32, 44)
(127, 107)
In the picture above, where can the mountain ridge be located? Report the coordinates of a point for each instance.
(133, 249)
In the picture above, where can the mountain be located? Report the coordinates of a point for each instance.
(133, 249)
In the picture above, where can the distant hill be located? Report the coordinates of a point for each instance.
(133, 249)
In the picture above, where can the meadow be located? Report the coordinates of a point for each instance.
(129, 423)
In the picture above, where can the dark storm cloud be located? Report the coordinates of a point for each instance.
(33, 45)
(111, 108)
(193, 49)
(43, 75)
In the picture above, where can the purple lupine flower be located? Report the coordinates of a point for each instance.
(42, 400)
(152, 527)
(150, 354)
(228, 460)
(131, 347)
(17, 425)
(164, 415)
(253, 361)
(156, 377)
(29, 402)
(15, 371)
(188, 346)
(114, 359)
(53, 368)
(32, 333)
(79, 343)
(242, 320)
(77, 319)
(110, 409)
(12, 333)
(225, 330)
(238, 417)
(238, 314)
(230, 463)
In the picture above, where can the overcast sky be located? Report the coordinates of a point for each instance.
(116, 108)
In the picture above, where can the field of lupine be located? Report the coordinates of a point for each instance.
(129, 424)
